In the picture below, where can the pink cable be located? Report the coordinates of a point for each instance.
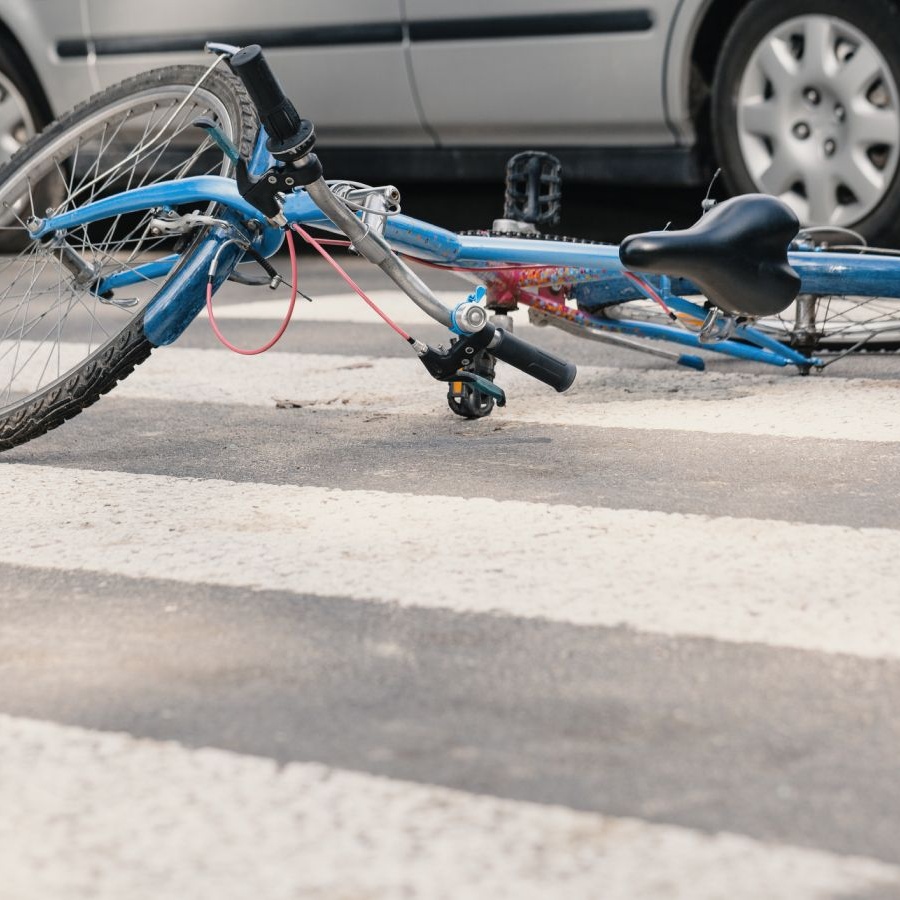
(284, 324)
(334, 265)
(648, 290)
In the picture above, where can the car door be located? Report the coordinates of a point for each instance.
(341, 63)
(40, 26)
(545, 72)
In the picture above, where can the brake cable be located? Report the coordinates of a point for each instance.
(291, 303)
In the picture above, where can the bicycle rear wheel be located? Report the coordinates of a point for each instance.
(62, 345)
(838, 323)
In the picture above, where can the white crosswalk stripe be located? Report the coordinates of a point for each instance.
(773, 405)
(346, 308)
(163, 818)
(383, 547)
(778, 405)
(168, 818)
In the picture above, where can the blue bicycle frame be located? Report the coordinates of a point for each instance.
(593, 270)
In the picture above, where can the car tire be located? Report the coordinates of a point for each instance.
(806, 106)
(23, 113)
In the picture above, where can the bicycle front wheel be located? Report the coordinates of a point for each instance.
(62, 345)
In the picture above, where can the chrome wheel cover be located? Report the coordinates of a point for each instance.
(818, 118)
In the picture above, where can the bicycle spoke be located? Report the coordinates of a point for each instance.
(47, 304)
(842, 322)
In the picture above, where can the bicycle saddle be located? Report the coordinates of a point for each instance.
(736, 255)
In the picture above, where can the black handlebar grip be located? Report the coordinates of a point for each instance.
(535, 362)
(278, 115)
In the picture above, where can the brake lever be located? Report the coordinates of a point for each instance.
(448, 365)
(226, 50)
(445, 365)
(216, 133)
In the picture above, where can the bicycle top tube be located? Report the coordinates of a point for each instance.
(821, 272)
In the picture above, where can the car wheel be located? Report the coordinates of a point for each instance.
(22, 115)
(806, 106)
(21, 112)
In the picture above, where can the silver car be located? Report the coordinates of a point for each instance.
(798, 98)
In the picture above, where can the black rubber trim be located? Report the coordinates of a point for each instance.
(552, 25)
(482, 28)
(269, 38)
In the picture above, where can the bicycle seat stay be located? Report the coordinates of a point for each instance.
(736, 255)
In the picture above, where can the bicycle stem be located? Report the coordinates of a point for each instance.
(290, 141)
(374, 248)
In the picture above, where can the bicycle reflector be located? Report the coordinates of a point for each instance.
(533, 188)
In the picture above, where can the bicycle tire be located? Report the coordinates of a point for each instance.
(88, 152)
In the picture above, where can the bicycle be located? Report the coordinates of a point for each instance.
(128, 213)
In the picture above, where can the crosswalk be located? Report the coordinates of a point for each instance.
(715, 403)
(402, 675)
(175, 818)
(382, 547)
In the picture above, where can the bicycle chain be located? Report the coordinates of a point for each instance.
(558, 238)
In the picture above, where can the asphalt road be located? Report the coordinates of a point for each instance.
(286, 627)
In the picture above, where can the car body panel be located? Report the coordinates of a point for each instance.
(677, 69)
(597, 87)
(374, 76)
(356, 92)
(35, 25)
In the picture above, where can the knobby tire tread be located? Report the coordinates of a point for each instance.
(64, 400)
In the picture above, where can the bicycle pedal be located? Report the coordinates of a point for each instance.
(458, 386)
(533, 188)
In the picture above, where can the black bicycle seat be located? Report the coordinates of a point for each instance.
(736, 255)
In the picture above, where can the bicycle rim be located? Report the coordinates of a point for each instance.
(51, 319)
(838, 323)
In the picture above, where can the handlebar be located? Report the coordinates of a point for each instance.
(447, 365)
(289, 135)
(533, 361)
(291, 140)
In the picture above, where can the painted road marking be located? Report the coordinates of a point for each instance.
(342, 307)
(771, 405)
(817, 587)
(104, 815)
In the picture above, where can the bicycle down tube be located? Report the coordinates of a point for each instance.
(522, 266)
(281, 185)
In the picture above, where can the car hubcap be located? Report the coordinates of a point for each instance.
(16, 123)
(818, 116)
